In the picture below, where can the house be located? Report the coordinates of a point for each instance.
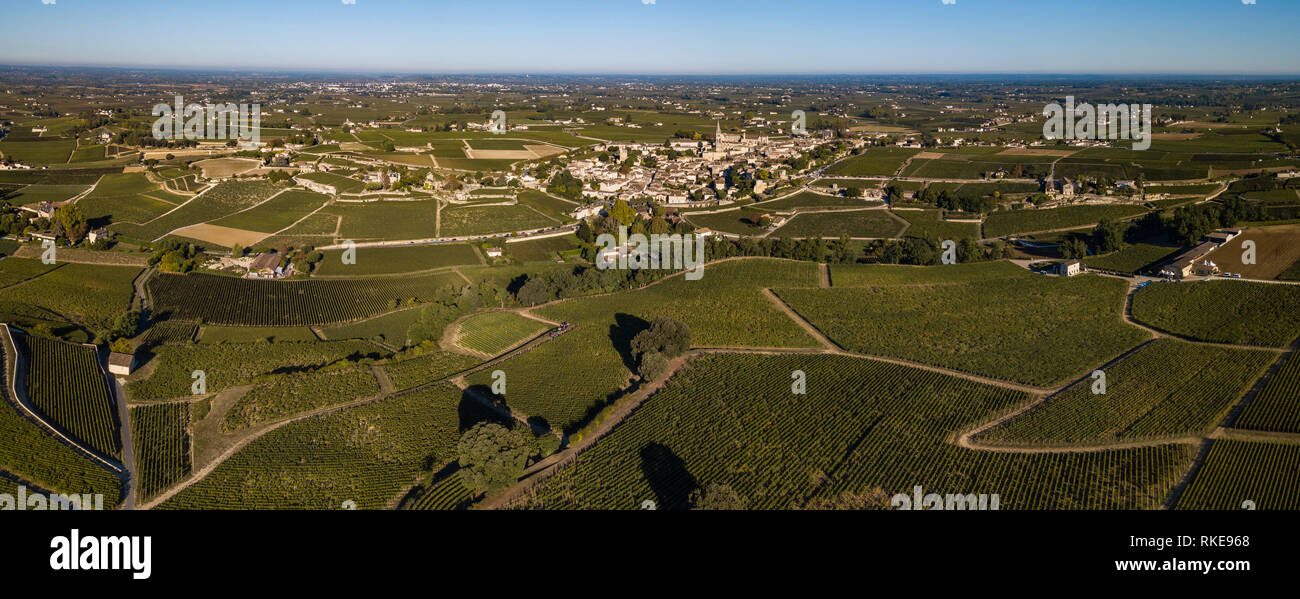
(1070, 268)
(1185, 264)
(1223, 236)
(1206, 268)
(264, 264)
(121, 364)
(97, 234)
(587, 211)
(493, 252)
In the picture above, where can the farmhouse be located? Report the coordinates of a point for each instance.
(121, 364)
(1070, 268)
(493, 252)
(1184, 265)
(97, 234)
(316, 186)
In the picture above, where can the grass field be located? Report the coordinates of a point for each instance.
(863, 432)
(1001, 328)
(1223, 311)
(492, 333)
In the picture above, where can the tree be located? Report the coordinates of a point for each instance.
(533, 292)
(666, 336)
(73, 222)
(623, 213)
(1108, 236)
(126, 325)
(492, 457)
(717, 496)
(653, 365)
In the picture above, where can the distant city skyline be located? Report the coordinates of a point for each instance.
(685, 37)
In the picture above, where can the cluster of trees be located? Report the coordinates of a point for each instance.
(652, 348)
(449, 303)
(172, 255)
(565, 185)
(924, 251)
(492, 456)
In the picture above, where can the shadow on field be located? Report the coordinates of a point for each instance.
(471, 409)
(626, 327)
(668, 478)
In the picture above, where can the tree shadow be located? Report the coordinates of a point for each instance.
(626, 327)
(471, 410)
(668, 478)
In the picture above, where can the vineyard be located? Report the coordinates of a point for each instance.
(448, 494)
(223, 199)
(1026, 221)
(66, 385)
(1238, 471)
(390, 329)
(427, 368)
(1012, 329)
(872, 275)
(32, 453)
(162, 333)
(1277, 407)
(492, 333)
(290, 394)
(250, 302)
(368, 454)
(1166, 388)
(230, 364)
(94, 294)
(162, 446)
(862, 427)
(1223, 311)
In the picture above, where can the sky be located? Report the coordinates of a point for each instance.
(803, 37)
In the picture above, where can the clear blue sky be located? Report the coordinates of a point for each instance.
(670, 36)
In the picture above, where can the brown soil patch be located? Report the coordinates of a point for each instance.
(1276, 249)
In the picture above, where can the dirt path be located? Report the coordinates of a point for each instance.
(824, 270)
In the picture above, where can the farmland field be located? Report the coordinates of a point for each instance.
(90, 293)
(287, 303)
(930, 223)
(541, 250)
(1003, 223)
(563, 380)
(1223, 311)
(66, 385)
(1133, 258)
(225, 365)
(1276, 249)
(1164, 389)
(492, 333)
(286, 395)
(875, 162)
(1277, 407)
(370, 454)
(419, 370)
(278, 213)
(807, 199)
(863, 428)
(31, 452)
(858, 223)
(872, 275)
(162, 445)
(17, 270)
(481, 220)
(378, 261)
(1004, 334)
(386, 219)
(223, 200)
(1239, 471)
(390, 329)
